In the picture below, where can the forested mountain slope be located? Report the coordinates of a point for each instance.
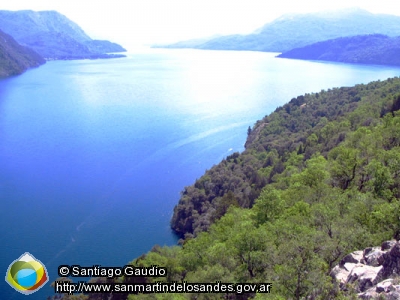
(14, 58)
(295, 126)
(331, 161)
(320, 178)
(365, 49)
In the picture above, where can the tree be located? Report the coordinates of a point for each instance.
(344, 162)
(249, 130)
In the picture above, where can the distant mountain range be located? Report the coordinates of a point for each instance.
(365, 49)
(298, 30)
(192, 43)
(14, 58)
(54, 36)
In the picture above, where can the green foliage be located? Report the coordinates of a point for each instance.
(343, 166)
(313, 209)
(338, 194)
(311, 123)
(269, 205)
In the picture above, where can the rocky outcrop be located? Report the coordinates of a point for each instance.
(373, 273)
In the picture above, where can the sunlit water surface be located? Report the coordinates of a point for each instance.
(94, 153)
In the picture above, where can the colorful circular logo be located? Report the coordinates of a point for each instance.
(27, 274)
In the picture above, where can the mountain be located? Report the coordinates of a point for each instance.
(193, 43)
(298, 30)
(366, 49)
(295, 127)
(14, 58)
(53, 35)
(319, 178)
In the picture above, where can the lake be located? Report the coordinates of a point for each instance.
(94, 153)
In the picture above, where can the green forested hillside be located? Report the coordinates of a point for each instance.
(289, 128)
(363, 49)
(332, 169)
(14, 58)
(320, 178)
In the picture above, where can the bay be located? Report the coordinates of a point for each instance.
(94, 153)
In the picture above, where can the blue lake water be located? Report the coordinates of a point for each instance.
(94, 153)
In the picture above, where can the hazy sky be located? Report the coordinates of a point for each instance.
(138, 22)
